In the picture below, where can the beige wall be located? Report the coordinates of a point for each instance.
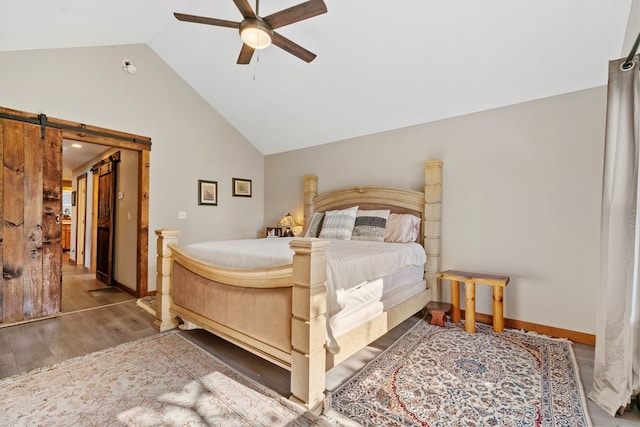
(126, 220)
(191, 140)
(521, 196)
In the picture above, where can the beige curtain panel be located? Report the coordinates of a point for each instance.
(616, 376)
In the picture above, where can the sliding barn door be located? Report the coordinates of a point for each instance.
(30, 209)
(106, 171)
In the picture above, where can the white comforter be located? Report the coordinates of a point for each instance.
(349, 263)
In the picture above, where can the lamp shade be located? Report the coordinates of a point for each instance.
(288, 221)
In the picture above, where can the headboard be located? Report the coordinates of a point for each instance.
(426, 205)
(395, 199)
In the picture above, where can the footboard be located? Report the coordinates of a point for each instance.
(276, 313)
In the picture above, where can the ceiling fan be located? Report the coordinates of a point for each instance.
(258, 32)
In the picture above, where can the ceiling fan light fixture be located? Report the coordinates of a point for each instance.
(256, 33)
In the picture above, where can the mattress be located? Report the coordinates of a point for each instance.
(375, 296)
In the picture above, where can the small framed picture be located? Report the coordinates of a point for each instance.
(73, 198)
(207, 192)
(241, 187)
(273, 232)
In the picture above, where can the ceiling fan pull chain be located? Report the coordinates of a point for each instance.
(255, 65)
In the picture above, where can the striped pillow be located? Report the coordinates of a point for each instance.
(339, 224)
(314, 225)
(370, 225)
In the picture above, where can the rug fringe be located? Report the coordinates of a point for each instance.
(334, 417)
(583, 394)
(146, 307)
(521, 331)
(538, 334)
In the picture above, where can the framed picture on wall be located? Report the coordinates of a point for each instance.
(207, 192)
(241, 187)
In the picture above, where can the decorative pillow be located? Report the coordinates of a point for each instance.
(339, 224)
(402, 228)
(314, 225)
(370, 225)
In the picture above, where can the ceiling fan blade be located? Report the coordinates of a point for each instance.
(245, 8)
(296, 13)
(291, 47)
(246, 53)
(207, 21)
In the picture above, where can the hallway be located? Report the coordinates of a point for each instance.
(81, 290)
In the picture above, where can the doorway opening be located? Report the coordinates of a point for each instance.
(137, 149)
(99, 270)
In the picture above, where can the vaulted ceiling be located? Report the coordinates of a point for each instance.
(379, 66)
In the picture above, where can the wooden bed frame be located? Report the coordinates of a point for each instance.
(279, 313)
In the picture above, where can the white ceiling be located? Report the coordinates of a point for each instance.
(76, 154)
(380, 65)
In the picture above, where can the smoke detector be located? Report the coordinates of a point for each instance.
(128, 66)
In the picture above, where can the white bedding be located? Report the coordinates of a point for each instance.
(350, 264)
(247, 254)
(377, 295)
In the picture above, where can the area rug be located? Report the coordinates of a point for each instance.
(148, 304)
(443, 376)
(161, 380)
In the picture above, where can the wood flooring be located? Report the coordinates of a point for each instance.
(81, 290)
(28, 346)
(35, 344)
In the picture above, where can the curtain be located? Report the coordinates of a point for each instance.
(616, 371)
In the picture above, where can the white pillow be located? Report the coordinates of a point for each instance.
(370, 225)
(339, 224)
(402, 228)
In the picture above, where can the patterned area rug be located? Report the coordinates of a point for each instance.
(161, 380)
(435, 376)
(148, 304)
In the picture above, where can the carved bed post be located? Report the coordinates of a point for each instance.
(308, 325)
(310, 191)
(432, 225)
(164, 319)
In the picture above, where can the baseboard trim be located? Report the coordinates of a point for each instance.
(552, 331)
(124, 288)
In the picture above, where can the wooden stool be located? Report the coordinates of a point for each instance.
(470, 280)
(438, 311)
